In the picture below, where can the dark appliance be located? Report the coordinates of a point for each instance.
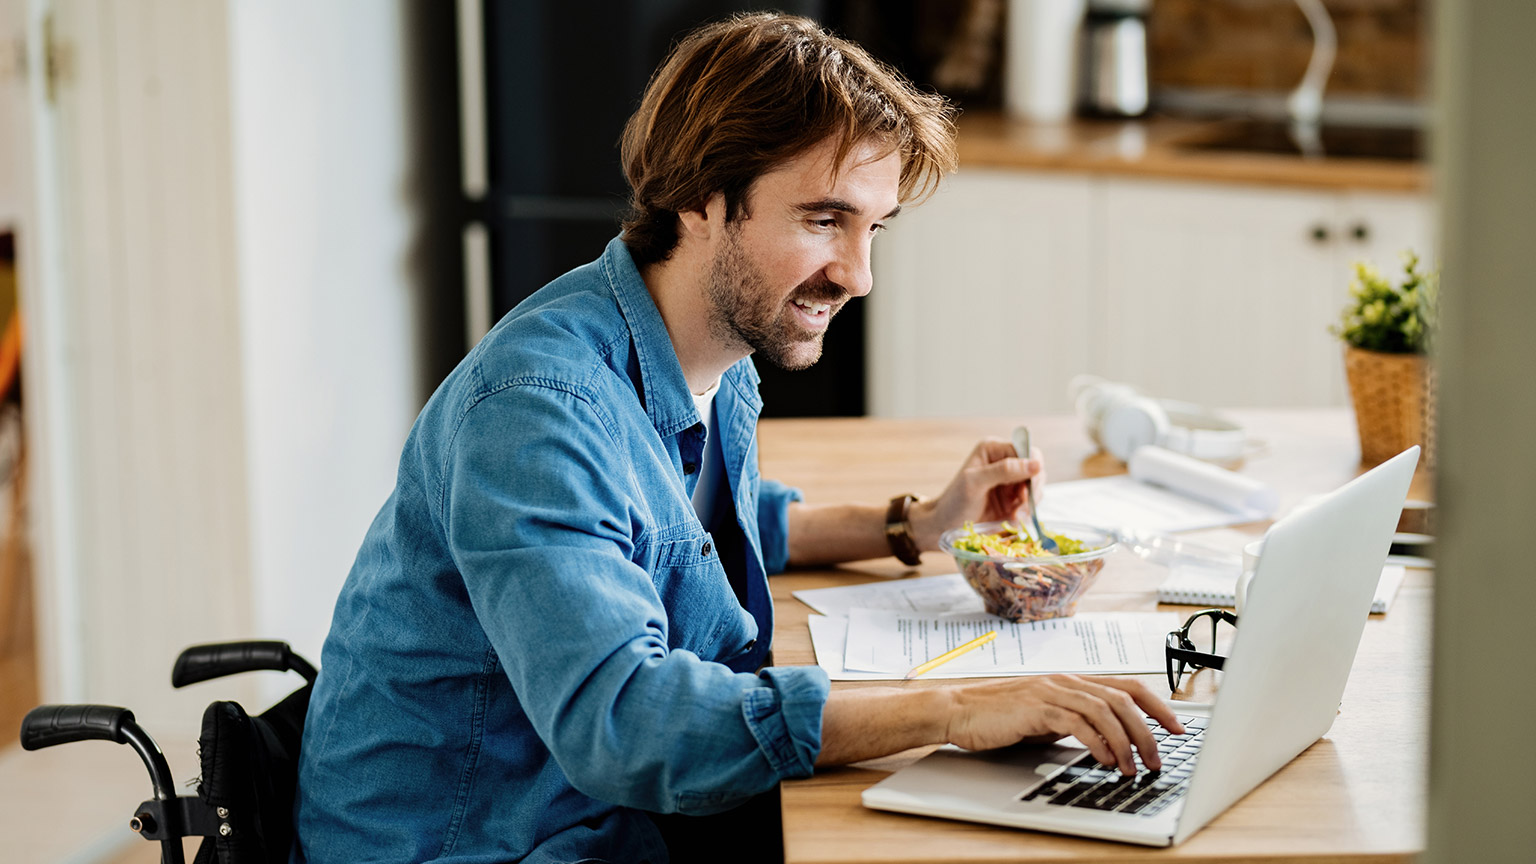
(1114, 58)
(562, 78)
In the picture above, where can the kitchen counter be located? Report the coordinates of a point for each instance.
(1159, 147)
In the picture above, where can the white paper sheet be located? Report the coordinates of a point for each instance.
(1125, 502)
(830, 634)
(892, 643)
(937, 595)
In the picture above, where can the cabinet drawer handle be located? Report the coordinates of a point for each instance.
(1361, 232)
(1320, 233)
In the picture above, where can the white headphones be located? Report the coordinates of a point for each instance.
(1119, 419)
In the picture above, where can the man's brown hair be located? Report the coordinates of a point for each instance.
(740, 97)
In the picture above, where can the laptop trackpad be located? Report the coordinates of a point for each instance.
(1007, 773)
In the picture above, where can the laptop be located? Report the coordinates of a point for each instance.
(1280, 691)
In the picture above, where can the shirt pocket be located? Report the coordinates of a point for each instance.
(703, 614)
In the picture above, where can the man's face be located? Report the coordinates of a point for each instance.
(799, 252)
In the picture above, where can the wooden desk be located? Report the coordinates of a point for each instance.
(1356, 796)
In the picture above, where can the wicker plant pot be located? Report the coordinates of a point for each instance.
(1394, 398)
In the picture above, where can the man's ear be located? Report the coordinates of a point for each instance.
(705, 222)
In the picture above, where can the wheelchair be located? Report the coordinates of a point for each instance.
(248, 764)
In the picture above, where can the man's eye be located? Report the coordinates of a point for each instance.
(828, 222)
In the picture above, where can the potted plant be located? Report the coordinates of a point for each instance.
(1387, 328)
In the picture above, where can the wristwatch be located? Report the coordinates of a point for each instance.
(898, 530)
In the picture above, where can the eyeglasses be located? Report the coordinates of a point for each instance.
(1184, 652)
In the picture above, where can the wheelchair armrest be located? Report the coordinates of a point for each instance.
(206, 662)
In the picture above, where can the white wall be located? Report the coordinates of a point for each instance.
(12, 104)
(226, 344)
(1480, 795)
(133, 396)
(323, 225)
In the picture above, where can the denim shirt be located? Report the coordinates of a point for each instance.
(539, 639)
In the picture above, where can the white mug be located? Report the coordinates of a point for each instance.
(1251, 553)
(1040, 63)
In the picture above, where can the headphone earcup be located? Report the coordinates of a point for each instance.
(1094, 398)
(1129, 423)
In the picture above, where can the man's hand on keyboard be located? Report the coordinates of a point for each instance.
(1105, 714)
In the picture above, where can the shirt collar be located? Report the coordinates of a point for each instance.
(664, 390)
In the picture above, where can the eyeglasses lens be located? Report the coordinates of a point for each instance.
(1211, 635)
(1202, 642)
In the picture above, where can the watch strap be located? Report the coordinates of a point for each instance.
(898, 530)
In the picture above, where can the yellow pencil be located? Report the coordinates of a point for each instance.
(952, 654)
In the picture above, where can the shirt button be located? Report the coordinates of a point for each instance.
(689, 467)
(707, 547)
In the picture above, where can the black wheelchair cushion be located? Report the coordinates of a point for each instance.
(250, 769)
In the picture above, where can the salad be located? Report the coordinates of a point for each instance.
(1017, 578)
(1014, 542)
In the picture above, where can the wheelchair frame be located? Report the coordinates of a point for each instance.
(166, 817)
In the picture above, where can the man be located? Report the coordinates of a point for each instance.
(557, 624)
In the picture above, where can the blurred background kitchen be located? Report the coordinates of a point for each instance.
(249, 238)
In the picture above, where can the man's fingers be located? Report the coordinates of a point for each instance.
(1149, 702)
(1008, 470)
(1136, 695)
(991, 450)
(1079, 696)
(1077, 726)
(1014, 470)
(1126, 709)
(1114, 706)
(1104, 714)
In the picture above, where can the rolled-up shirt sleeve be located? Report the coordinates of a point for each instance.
(541, 514)
(783, 713)
(773, 500)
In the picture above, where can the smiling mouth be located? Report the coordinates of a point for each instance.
(813, 307)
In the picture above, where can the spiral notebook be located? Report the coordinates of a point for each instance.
(1198, 585)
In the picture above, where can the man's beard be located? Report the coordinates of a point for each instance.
(744, 311)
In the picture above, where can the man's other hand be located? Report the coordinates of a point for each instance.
(989, 487)
(1105, 714)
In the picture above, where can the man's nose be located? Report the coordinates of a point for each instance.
(851, 267)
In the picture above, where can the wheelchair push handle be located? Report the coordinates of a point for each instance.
(47, 725)
(206, 662)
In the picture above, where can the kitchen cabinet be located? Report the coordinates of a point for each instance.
(980, 299)
(993, 295)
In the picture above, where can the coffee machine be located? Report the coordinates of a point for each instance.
(1114, 58)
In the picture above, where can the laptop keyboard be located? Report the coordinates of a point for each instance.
(1087, 783)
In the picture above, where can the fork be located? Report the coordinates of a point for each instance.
(1021, 444)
